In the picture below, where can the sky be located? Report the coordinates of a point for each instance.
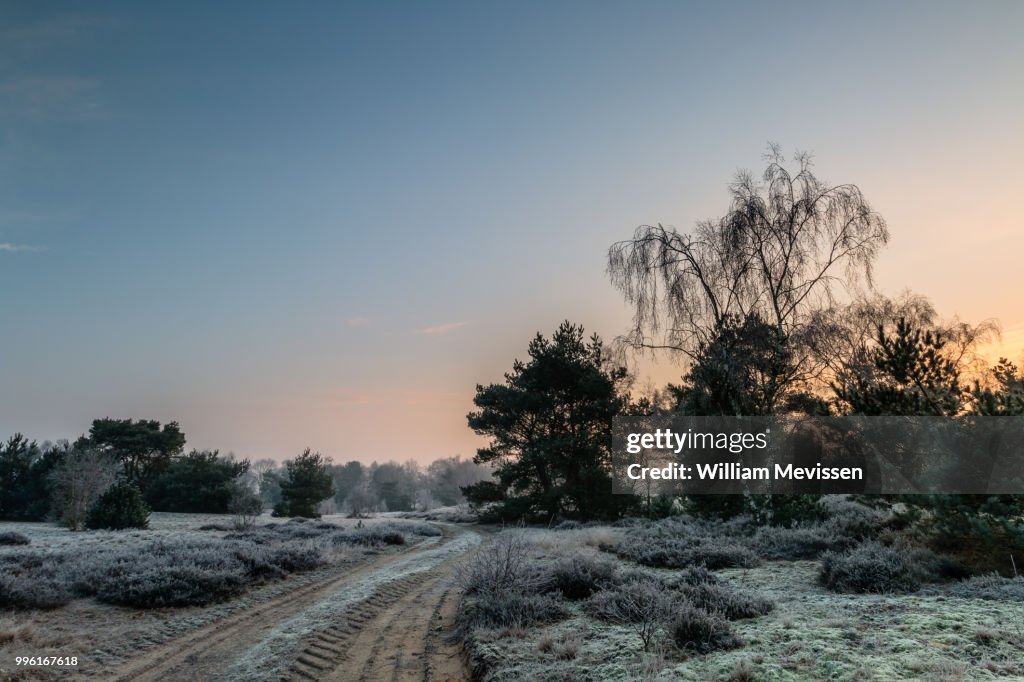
(322, 224)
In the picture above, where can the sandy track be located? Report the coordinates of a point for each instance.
(385, 619)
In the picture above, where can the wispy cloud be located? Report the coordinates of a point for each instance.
(358, 321)
(441, 328)
(14, 248)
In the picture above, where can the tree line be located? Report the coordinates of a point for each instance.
(119, 471)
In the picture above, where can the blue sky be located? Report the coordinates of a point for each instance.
(322, 223)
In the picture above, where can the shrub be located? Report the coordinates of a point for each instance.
(800, 542)
(993, 586)
(643, 605)
(680, 543)
(848, 518)
(513, 609)
(578, 577)
(26, 592)
(12, 538)
(187, 585)
(501, 567)
(121, 506)
(872, 567)
(694, 629)
(733, 604)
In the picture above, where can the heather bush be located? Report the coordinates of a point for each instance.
(578, 577)
(694, 629)
(502, 567)
(733, 604)
(678, 542)
(175, 585)
(877, 568)
(28, 592)
(12, 538)
(799, 542)
(993, 587)
(512, 609)
(643, 605)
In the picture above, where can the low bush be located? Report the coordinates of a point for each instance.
(677, 542)
(11, 538)
(26, 592)
(799, 542)
(513, 609)
(875, 568)
(733, 604)
(993, 587)
(29, 580)
(578, 577)
(502, 567)
(694, 629)
(185, 585)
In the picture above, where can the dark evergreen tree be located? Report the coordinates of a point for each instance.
(909, 374)
(305, 484)
(120, 507)
(144, 448)
(550, 430)
(199, 482)
(25, 487)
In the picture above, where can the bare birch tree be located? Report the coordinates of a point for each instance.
(788, 245)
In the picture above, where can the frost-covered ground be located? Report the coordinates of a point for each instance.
(812, 634)
(105, 634)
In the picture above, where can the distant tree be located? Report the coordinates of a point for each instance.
(395, 485)
(144, 448)
(244, 503)
(779, 254)
(305, 484)
(347, 477)
(549, 426)
(79, 479)
(120, 507)
(360, 501)
(199, 483)
(25, 488)
(448, 476)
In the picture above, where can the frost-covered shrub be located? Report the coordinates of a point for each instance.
(24, 592)
(578, 577)
(678, 543)
(694, 629)
(992, 586)
(369, 537)
(168, 574)
(12, 538)
(185, 585)
(513, 609)
(567, 525)
(645, 606)
(733, 604)
(502, 566)
(850, 519)
(877, 568)
(799, 542)
(215, 526)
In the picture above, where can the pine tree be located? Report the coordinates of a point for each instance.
(305, 485)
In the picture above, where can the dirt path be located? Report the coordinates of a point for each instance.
(384, 620)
